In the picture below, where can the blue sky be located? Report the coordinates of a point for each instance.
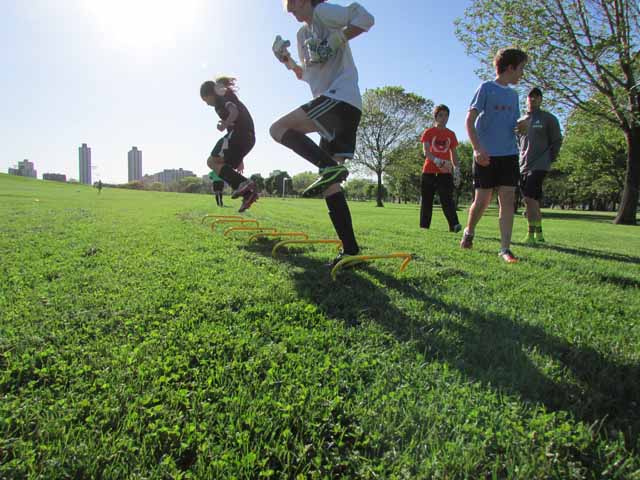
(118, 73)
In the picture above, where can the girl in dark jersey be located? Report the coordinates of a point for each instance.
(229, 152)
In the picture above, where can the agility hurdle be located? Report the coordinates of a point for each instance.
(275, 233)
(355, 259)
(211, 215)
(278, 245)
(232, 220)
(249, 229)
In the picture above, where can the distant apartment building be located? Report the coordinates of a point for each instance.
(54, 177)
(25, 169)
(134, 158)
(84, 163)
(168, 176)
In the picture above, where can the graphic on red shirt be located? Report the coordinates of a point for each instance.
(441, 142)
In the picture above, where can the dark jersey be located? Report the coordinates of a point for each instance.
(244, 122)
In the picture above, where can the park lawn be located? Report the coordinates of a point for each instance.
(137, 343)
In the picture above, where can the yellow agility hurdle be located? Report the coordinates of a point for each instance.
(211, 215)
(275, 233)
(232, 220)
(274, 251)
(351, 260)
(248, 229)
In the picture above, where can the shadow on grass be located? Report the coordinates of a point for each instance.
(589, 253)
(570, 215)
(488, 347)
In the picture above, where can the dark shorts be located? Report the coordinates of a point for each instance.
(501, 172)
(531, 184)
(218, 186)
(234, 146)
(337, 124)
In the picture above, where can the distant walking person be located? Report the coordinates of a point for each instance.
(491, 123)
(439, 169)
(218, 187)
(99, 186)
(228, 154)
(539, 139)
(329, 69)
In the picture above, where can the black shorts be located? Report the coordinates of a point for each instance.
(337, 124)
(531, 184)
(501, 172)
(234, 146)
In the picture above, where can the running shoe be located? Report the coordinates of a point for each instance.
(248, 200)
(508, 256)
(456, 228)
(467, 240)
(328, 176)
(243, 188)
(341, 256)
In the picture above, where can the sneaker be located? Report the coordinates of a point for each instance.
(467, 240)
(243, 188)
(508, 256)
(248, 200)
(456, 228)
(328, 176)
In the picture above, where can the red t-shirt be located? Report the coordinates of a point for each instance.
(442, 141)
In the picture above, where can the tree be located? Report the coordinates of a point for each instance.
(391, 117)
(576, 48)
(358, 189)
(303, 180)
(276, 182)
(258, 180)
(405, 170)
(190, 185)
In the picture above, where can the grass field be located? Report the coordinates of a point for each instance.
(137, 343)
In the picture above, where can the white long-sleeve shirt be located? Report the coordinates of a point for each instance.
(337, 78)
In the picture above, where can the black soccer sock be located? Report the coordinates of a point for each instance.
(307, 149)
(230, 176)
(341, 219)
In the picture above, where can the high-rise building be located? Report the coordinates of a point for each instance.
(25, 169)
(168, 176)
(84, 161)
(135, 164)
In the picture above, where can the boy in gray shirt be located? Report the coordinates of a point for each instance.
(539, 141)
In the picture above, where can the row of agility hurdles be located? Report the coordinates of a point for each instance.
(296, 238)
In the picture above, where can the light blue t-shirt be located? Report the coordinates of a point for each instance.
(499, 109)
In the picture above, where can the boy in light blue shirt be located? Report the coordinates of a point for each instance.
(491, 123)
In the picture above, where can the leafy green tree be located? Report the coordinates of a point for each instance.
(405, 170)
(190, 185)
(465, 161)
(259, 181)
(576, 48)
(303, 180)
(358, 189)
(276, 182)
(391, 117)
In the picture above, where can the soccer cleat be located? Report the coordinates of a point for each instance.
(248, 200)
(467, 240)
(456, 228)
(508, 256)
(539, 237)
(243, 188)
(328, 176)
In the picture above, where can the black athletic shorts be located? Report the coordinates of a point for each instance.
(337, 124)
(531, 184)
(234, 146)
(501, 172)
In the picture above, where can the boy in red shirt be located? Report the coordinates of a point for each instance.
(440, 166)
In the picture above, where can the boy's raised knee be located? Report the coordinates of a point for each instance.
(276, 131)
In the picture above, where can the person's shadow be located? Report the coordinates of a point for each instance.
(602, 392)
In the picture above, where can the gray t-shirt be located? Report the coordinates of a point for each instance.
(336, 78)
(540, 146)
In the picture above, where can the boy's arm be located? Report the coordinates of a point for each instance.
(454, 157)
(555, 138)
(426, 149)
(233, 115)
(336, 17)
(480, 155)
